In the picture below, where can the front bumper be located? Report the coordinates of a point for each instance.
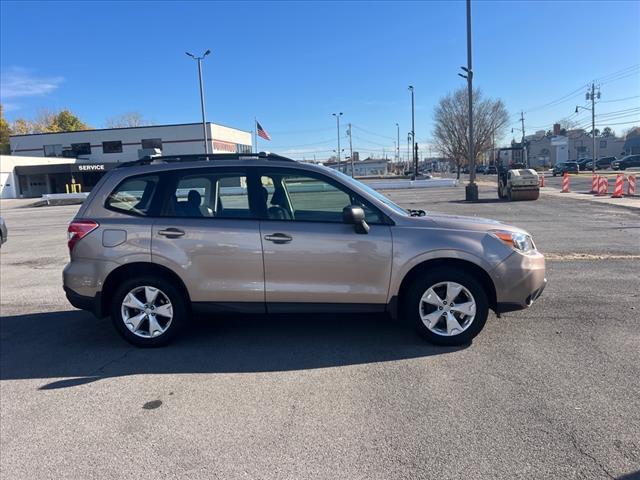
(519, 281)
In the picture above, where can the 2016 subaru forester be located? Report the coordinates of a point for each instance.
(162, 238)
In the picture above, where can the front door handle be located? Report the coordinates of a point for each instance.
(278, 238)
(171, 232)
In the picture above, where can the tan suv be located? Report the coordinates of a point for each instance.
(160, 239)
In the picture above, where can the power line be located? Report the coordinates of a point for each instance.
(619, 99)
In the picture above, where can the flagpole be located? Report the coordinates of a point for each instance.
(255, 133)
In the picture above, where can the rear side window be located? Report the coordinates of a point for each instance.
(209, 194)
(133, 195)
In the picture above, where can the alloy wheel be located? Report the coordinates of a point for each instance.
(147, 311)
(447, 308)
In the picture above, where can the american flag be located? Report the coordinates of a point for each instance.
(262, 132)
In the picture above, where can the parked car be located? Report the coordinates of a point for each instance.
(601, 164)
(491, 170)
(582, 163)
(626, 162)
(3, 231)
(158, 239)
(562, 167)
(480, 169)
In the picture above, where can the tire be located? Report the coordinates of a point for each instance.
(168, 298)
(414, 307)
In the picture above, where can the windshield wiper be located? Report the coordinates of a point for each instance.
(416, 213)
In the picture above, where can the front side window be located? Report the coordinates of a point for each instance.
(81, 149)
(112, 147)
(134, 195)
(304, 198)
(206, 194)
(53, 150)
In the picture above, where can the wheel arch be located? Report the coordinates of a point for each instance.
(137, 269)
(474, 269)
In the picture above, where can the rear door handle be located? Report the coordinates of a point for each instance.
(278, 238)
(171, 232)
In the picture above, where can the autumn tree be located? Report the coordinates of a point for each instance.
(47, 121)
(451, 118)
(5, 147)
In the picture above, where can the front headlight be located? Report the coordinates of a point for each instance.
(516, 240)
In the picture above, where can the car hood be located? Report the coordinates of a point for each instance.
(461, 222)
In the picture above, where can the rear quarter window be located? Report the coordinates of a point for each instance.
(133, 195)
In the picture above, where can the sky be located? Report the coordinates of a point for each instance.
(292, 64)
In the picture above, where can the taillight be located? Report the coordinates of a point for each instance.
(79, 229)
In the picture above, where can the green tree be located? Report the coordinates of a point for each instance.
(607, 132)
(66, 121)
(5, 148)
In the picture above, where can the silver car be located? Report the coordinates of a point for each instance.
(158, 240)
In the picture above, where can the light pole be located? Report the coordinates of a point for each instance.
(471, 190)
(204, 121)
(413, 135)
(338, 115)
(398, 144)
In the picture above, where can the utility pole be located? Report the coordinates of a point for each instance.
(338, 115)
(353, 175)
(471, 190)
(204, 122)
(413, 133)
(525, 157)
(592, 95)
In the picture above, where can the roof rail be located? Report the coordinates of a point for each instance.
(205, 157)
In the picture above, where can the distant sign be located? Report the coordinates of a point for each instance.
(91, 168)
(559, 141)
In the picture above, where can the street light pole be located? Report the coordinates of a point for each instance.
(413, 135)
(204, 121)
(471, 190)
(338, 115)
(398, 144)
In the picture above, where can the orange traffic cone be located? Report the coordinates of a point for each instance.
(542, 180)
(631, 185)
(565, 183)
(617, 191)
(603, 187)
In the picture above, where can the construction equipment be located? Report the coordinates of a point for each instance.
(516, 182)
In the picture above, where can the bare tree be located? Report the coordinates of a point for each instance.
(451, 116)
(127, 119)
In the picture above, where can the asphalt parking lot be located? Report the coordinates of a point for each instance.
(549, 392)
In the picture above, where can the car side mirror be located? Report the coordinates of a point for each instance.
(354, 215)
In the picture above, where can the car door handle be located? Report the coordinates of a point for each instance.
(171, 232)
(278, 238)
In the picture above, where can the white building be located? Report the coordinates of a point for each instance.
(49, 162)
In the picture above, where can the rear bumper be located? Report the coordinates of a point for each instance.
(90, 304)
(520, 280)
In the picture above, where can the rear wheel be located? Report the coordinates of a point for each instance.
(448, 306)
(148, 311)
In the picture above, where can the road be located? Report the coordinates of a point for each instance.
(550, 392)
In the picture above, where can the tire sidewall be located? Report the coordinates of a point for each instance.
(180, 314)
(437, 275)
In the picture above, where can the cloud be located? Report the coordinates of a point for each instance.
(17, 82)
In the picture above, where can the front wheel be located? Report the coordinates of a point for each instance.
(148, 311)
(448, 306)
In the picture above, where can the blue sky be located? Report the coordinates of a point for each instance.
(292, 64)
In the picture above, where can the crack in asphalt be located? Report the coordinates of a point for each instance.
(584, 453)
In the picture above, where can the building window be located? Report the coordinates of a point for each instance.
(53, 150)
(112, 147)
(603, 144)
(243, 148)
(81, 149)
(152, 143)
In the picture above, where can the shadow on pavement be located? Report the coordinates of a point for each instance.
(76, 346)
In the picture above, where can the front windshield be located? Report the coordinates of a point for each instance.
(370, 191)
